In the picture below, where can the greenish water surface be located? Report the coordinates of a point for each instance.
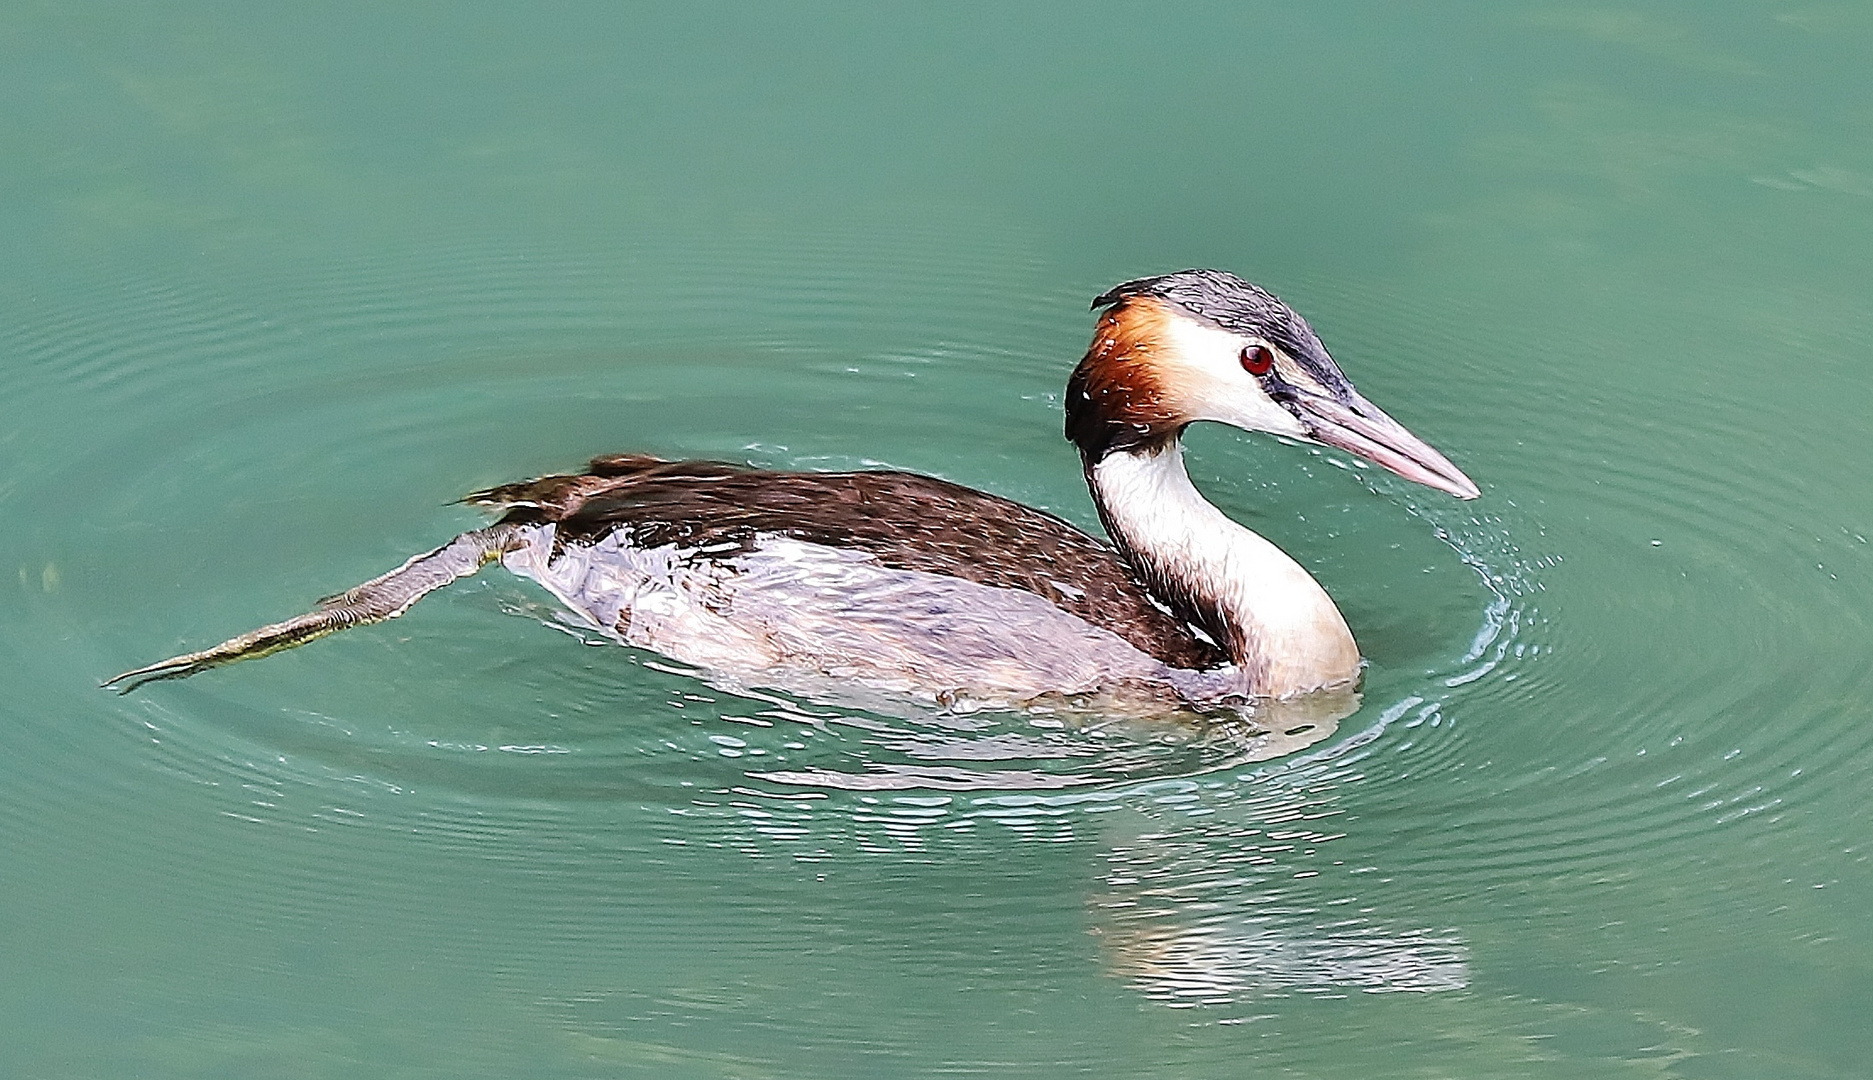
(282, 281)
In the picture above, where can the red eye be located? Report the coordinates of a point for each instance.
(1257, 359)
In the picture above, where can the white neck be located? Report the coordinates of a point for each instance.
(1280, 627)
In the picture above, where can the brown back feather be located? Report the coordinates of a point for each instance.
(905, 521)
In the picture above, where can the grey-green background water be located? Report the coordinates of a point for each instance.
(278, 283)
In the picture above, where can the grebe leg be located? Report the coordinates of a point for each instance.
(380, 598)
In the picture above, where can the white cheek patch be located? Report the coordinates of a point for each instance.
(1203, 371)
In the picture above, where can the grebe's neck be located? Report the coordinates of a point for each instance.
(1275, 621)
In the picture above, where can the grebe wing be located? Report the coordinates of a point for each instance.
(903, 520)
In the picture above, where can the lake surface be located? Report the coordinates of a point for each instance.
(279, 284)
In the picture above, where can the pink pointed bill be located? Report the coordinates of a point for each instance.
(1378, 438)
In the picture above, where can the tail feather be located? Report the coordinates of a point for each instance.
(383, 597)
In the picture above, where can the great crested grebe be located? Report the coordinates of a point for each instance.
(913, 585)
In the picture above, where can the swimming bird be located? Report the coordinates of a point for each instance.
(904, 583)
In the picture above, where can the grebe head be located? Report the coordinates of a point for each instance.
(1207, 345)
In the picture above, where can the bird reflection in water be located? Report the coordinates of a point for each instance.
(1216, 886)
(1185, 936)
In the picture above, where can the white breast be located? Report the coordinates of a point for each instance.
(1296, 638)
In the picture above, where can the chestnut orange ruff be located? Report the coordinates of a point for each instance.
(1117, 398)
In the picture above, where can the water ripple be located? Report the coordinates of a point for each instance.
(1226, 862)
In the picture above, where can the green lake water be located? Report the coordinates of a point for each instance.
(281, 281)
